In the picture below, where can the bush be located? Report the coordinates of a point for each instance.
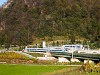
(11, 57)
(90, 67)
(66, 71)
(63, 63)
(47, 62)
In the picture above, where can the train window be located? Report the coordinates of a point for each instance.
(78, 46)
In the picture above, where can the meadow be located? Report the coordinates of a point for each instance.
(15, 69)
(6, 69)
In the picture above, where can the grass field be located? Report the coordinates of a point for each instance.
(27, 69)
(6, 69)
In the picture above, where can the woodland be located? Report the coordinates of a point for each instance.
(24, 20)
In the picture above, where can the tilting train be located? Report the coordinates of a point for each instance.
(57, 49)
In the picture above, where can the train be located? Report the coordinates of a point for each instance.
(56, 49)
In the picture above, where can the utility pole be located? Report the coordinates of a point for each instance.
(72, 51)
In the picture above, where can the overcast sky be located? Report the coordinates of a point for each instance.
(2, 2)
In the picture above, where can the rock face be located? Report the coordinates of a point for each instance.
(75, 60)
(6, 5)
(48, 54)
(89, 61)
(61, 60)
(46, 58)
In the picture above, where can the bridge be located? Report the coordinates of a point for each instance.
(81, 57)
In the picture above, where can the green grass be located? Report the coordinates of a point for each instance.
(6, 69)
(70, 71)
(27, 69)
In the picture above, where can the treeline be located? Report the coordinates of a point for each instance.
(25, 20)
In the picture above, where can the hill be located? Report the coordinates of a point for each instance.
(24, 20)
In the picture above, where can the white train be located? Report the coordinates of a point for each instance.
(27, 49)
(47, 49)
(57, 49)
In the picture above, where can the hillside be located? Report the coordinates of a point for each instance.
(24, 20)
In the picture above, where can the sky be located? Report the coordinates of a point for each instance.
(2, 2)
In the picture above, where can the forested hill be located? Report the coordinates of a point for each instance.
(24, 20)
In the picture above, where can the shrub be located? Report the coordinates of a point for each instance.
(91, 67)
(47, 62)
(11, 57)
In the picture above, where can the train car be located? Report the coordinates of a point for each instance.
(35, 49)
(73, 47)
(53, 50)
(57, 50)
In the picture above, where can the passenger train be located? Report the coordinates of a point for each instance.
(73, 47)
(57, 49)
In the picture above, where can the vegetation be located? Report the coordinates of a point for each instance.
(91, 67)
(14, 58)
(70, 71)
(11, 55)
(41, 70)
(25, 20)
(36, 54)
(86, 69)
(27, 69)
